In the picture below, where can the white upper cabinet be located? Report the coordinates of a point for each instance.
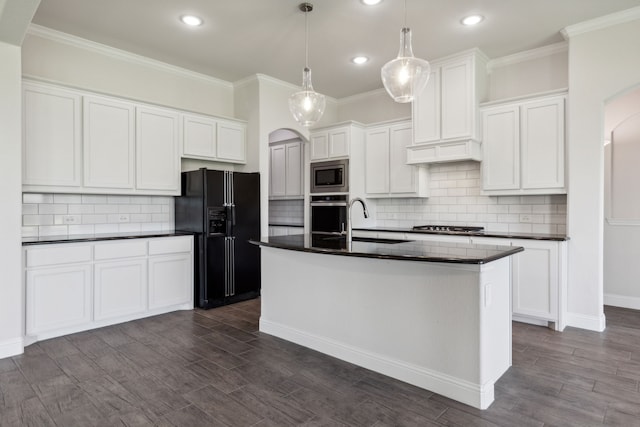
(286, 169)
(210, 138)
(523, 147)
(231, 142)
(79, 142)
(109, 143)
(445, 114)
(52, 137)
(157, 157)
(330, 143)
(386, 171)
(199, 137)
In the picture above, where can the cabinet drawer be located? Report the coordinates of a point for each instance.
(120, 250)
(58, 254)
(170, 245)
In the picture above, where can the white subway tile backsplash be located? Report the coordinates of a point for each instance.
(37, 219)
(129, 228)
(91, 199)
(129, 209)
(30, 231)
(29, 209)
(82, 229)
(53, 230)
(106, 228)
(61, 214)
(46, 208)
(81, 209)
(105, 209)
(37, 198)
(67, 198)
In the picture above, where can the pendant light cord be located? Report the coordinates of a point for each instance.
(405, 13)
(306, 39)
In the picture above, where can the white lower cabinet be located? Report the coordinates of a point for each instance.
(58, 298)
(120, 288)
(538, 280)
(71, 287)
(167, 286)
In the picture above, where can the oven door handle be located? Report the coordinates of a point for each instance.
(314, 204)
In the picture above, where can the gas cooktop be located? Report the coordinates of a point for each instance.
(449, 228)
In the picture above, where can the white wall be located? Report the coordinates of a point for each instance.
(529, 72)
(372, 107)
(621, 238)
(69, 60)
(602, 64)
(11, 294)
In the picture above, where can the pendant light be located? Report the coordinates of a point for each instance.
(405, 76)
(307, 105)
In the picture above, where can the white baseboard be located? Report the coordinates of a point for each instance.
(622, 301)
(476, 395)
(592, 323)
(11, 347)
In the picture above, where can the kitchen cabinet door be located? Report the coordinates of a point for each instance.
(426, 110)
(294, 167)
(403, 178)
(377, 161)
(542, 142)
(52, 138)
(231, 139)
(457, 99)
(278, 171)
(157, 155)
(109, 143)
(170, 280)
(339, 141)
(501, 148)
(199, 137)
(535, 278)
(319, 146)
(58, 298)
(120, 288)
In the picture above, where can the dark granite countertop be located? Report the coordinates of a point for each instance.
(407, 250)
(75, 238)
(485, 233)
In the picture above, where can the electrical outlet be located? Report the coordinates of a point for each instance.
(123, 218)
(525, 218)
(69, 219)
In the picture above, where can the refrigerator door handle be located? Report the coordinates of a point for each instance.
(232, 290)
(226, 266)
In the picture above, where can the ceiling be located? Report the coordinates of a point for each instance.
(240, 38)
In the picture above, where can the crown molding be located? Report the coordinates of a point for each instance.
(265, 78)
(528, 55)
(363, 95)
(601, 22)
(71, 40)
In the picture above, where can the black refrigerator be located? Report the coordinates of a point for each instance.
(222, 208)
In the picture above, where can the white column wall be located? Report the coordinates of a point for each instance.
(602, 64)
(11, 293)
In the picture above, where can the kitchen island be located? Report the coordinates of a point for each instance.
(436, 315)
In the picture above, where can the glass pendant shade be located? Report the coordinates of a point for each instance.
(307, 105)
(406, 76)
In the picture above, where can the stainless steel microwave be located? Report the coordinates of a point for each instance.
(330, 177)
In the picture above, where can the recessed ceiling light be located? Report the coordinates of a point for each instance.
(359, 60)
(371, 2)
(191, 20)
(472, 20)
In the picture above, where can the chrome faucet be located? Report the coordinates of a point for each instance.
(366, 215)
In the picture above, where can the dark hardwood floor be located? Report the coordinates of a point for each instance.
(213, 368)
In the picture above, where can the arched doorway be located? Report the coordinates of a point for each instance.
(287, 174)
(621, 269)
